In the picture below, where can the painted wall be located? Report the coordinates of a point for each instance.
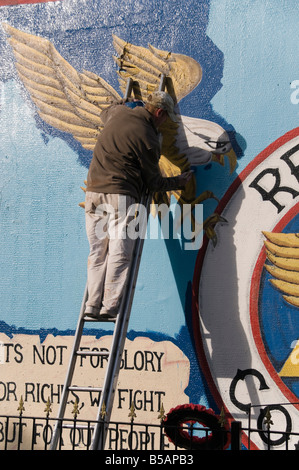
(198, 316)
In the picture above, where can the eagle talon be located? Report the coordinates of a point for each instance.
(209, 225)
(204, 196)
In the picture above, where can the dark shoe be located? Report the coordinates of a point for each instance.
(92, 316)
(106, 315)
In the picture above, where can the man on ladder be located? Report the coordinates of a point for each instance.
(124, 167)
(125, 163)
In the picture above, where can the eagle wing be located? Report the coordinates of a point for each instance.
(67, 100)
(146, 66)
(282, 250)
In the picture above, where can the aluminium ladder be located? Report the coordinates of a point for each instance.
(114, 355)
(118, 338)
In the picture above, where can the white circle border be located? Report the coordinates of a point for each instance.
(204, 284)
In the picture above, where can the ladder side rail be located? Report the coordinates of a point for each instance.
(119, 336)
(69, 375)
(129, 88)
(78, 335)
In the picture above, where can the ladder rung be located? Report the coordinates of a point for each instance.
(78, 426)
(92, 353)
(99, 320)
(73, 388)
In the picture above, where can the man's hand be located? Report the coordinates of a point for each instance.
(184, 178)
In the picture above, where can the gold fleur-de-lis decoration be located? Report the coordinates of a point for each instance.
(76, 411)
(48, 408)
(222, 419)
(161, 413)
(132, 413)
(103, 411)
(21, 407)
(268, 420)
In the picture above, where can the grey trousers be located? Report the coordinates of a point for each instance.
(107, 217)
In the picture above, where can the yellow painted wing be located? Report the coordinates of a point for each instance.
(67, 100)
(145, 67)
(283, 254)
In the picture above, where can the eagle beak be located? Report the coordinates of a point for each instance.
(232, 158)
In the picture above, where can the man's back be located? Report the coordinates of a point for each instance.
(128, 139)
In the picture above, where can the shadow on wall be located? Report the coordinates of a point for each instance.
(217, 179)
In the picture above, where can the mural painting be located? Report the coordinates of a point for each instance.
(213, 327)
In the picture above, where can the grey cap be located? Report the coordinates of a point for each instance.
(161, 99)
